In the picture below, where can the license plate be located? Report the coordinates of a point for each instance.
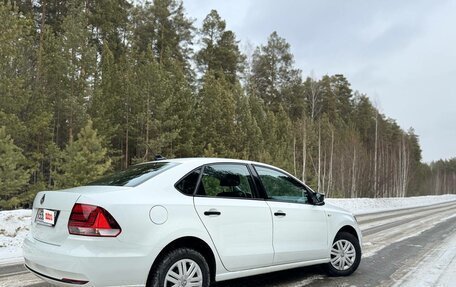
(46, 217)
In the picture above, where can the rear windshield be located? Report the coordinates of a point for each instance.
(135, 174)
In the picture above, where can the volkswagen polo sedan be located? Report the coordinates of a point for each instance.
(187, 222)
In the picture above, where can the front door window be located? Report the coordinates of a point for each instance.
(282, 187)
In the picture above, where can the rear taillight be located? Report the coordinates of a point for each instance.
(91, 220)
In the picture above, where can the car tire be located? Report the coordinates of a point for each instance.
(183, 265)
(345, 255)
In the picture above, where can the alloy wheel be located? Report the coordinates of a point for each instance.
(184, 273)
(343, 255)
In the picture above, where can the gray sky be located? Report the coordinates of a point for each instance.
(402, 54)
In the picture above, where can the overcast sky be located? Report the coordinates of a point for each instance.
(402, 54)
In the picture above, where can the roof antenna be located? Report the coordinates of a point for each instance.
(156, 157)
(159, 157)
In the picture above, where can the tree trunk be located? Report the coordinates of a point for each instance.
(353, 172)
(314, 95)
(342, 175)
(375, 155)
(126, 140)
(330, 176)
(304, 150)
(323, 181)
(405, 166)
(147, 127)
(294, 155)
(319, 157)
(42, 30)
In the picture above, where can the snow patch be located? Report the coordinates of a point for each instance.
(306, 281)
(437, 268)
(14, 226)
(376, 242)
(360, 206)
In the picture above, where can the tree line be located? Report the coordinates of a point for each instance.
(90, 87)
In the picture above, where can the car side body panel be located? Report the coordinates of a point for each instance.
(339, 218)
(242, 233)
(301, 235)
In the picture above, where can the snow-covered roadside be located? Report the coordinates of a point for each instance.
(14, 226)
(437, 268)
(370, 205)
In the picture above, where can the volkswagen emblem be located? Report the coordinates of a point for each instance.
(43, 198)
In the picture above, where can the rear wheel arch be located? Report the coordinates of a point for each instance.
(191, 242)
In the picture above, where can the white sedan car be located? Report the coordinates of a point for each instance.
(187, 222)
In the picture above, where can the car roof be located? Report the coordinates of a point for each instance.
(197, 161)
(208, 160)
(205, 160)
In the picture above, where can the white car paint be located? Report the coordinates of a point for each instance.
(246, 239)
(242, 236)
(302, 235)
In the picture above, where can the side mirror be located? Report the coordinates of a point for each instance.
(319, 198)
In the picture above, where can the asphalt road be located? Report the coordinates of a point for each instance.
(394, 243)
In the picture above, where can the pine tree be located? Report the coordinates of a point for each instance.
(173, 34)
(14, 176)
(83, 160)
(108, 19)
(344, 96)
(217, 108)
(80, 61)
(182, 116)
(273, 71)
(248, 133)
(105, 107)
(220, 52)
(16, 72)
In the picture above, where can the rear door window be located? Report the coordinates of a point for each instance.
(226, 180)
(187, 184)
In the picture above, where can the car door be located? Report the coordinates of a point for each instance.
(300, 228)
(238, 222)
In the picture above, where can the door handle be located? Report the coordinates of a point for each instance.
(280, 213)
(212, 212)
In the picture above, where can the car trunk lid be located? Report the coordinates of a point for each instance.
(52, 209)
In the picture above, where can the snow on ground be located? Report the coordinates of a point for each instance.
(375, 242)
(371, 205)
(14, 226)
(437, 268)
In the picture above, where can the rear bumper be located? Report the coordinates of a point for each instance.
(83, 261)
(63, 281)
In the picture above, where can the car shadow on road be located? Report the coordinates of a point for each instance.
(294, 277)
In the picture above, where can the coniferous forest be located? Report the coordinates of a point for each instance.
(91, 87)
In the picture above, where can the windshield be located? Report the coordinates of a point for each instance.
(134, 175)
